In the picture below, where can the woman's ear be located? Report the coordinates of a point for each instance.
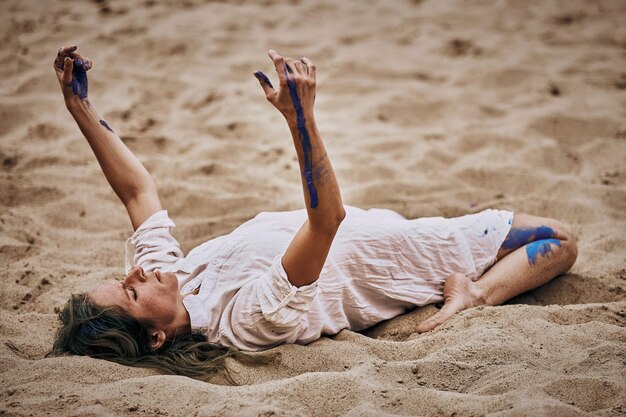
(157, 338)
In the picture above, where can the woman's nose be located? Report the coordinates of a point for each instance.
(135, 274)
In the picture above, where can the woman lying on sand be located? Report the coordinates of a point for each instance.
(287, 277)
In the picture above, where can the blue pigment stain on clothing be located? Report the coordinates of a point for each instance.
(79, 79)
(486, 231)
(304, 138)
(106, 125)
(259, 75)
(540, 248)
(519, 237)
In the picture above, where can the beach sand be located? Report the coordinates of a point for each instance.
(429, 108)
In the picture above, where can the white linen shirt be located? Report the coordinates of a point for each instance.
(379, 266)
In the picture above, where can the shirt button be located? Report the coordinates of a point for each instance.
(214, 261)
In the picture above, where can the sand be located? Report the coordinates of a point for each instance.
(426, 107)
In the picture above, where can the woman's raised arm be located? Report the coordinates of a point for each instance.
(127, 176)
(294, 98)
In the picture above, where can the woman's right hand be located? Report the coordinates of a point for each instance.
(71, 70)
(296, 92)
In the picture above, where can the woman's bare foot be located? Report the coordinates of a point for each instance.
(459, 293)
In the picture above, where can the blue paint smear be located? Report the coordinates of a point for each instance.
(519, 237)
(304, 138)
(486, 231)
(259, 75)
(540, 248)
(106, 125)
(79, 79)
(91, 328)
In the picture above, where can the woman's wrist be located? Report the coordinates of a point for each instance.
(76, 104)
(309, 120)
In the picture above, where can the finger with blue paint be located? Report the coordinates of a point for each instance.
(265, 82)
(279, 97)
(290, 68)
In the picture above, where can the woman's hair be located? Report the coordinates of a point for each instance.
(111, 334)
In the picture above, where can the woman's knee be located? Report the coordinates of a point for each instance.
(555, 229)
(564, 232)
(569, 242)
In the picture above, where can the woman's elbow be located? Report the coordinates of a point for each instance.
(341, 216)
(329, 222)
(338, 217)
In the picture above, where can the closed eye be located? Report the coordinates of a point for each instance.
(130, 289)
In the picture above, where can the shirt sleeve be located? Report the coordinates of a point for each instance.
(152, 246)
(267, 311)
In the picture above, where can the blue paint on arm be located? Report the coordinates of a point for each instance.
(304, 138)
(79, 79)
(106, 125)
(259, 75)
(519, 237)
(540, 248)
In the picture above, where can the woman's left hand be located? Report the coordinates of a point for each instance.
(296, 93)
(71, 70)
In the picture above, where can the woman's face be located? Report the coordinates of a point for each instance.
(145, 296)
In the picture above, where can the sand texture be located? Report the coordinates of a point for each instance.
(426, 107)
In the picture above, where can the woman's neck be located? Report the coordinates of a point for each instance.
(181, 324)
